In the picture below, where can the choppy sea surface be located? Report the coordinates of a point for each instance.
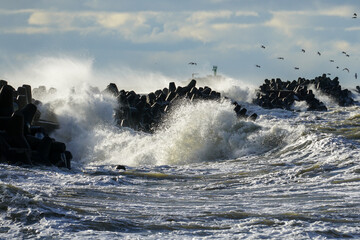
(204, 174)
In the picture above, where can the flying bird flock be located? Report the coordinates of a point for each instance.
(304, 51)
(319, 54)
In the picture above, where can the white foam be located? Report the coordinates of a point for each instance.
(328, 101)
(80, 115)
(300, 106)
(192, 132)
(235, 89)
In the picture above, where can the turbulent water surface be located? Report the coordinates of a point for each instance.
(203, 174)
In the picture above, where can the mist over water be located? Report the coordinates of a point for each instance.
(64, 72)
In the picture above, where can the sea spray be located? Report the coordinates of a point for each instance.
(235, 89)
(191, 132)
(329, 102)
(80, 113)
(65, 71)
(62, 72)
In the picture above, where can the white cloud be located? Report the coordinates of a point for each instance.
(114, 20)
(352, 29)
(206, 16)
(246, 13)
(41, 18)
(338, 11)
(145, 26)
(287, 21)
(28, 30)
(341, 45)
(231, 26)
(13, 12)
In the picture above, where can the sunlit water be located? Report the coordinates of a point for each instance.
(203, 174)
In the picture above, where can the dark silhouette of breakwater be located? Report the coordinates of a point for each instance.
(276, 93)
(144, 112)
(24, 137)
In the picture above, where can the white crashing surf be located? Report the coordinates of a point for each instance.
(191, 132)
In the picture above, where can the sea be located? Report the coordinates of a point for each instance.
(203, 174)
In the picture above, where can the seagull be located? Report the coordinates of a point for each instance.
(343, 52)
(319, 53)
(262, 46)
(296, 68)
(192, 63)
(346, 69)
(258, 66)
(355, 15)
(281, 58)
(331, 60)
(355, 75)
(303, 50)
(347, 55)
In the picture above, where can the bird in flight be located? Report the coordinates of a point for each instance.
(319, 53)
(347, 55)
(346, 69)
(262, 46)
(281, 58)
(355, 75)
(192, 63)
(258, 66)
(303, 50)
(331, 60)
(343, 52)
(296, 68)
(354, 15)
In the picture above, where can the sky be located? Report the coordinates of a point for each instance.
(160, 37)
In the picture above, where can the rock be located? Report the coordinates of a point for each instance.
(278, 94)
(192, 84)
(172, 87)
(150, 98)
(253, 117)
(3, 83)
(28, 93)
(21, 101)
(6, 101)
(22, 139)
(145, 112)
(112, 89)
(120, 167)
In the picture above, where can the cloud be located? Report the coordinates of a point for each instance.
(352, 29)
(230, 26)
(28, 30)
(137, 27)
(341, 45)
(206, 16)
(42, 18)
(14, 12)
(287, 22)
(338, 11)
(115, 20)
(246, 13)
